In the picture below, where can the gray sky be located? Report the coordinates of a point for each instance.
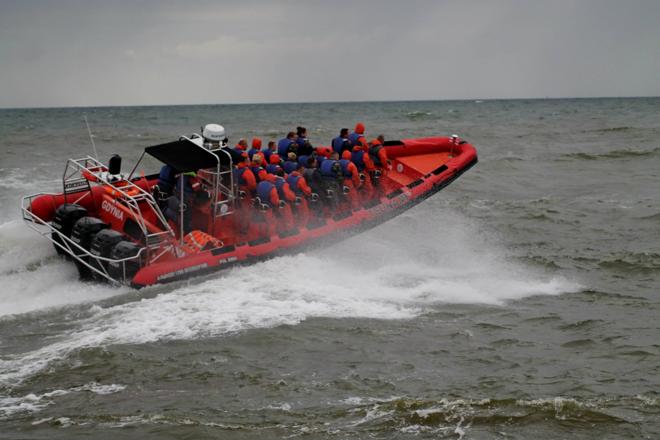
(106, 52)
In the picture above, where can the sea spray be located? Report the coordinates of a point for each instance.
(396, 271)
(33, 277)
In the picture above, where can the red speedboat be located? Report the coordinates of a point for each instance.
(116, 227)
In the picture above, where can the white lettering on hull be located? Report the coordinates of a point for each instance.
(113, 210)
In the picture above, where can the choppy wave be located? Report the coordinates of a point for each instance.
(494, 411)
(632, 262)
(652, 217)
(398, 271)
(419, 114)
(610, 129)
(30, 403)
(614, 154)
(13, 179)
(448, 417)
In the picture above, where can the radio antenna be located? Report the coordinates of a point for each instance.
(91, 138)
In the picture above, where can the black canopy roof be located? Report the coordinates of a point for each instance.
(186, 156)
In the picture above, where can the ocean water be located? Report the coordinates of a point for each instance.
(520, 302)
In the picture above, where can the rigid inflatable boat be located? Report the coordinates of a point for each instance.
(115, 227)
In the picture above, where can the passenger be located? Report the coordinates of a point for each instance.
(323, 152)
(166, 181)
(341, 142)
(244, 176)
(331, 168)
(358, 134)
(361, 158)
(191, 185)
(349, 170)
(351, 179)
(378, 153)
(304, 146)
(297, 182)
(365, 166)
(272, 148)
(287, 144)
(283, 189)
(267, 196)
(333, 182)
(331, 172)
(304, 195)
(301, 133)
(257, 168)
(241, 146)
(312, 175)
(256, 147)
(267, 193)
(291, 164)
(274, 166)
(302, 160)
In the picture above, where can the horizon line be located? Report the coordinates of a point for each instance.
(547, 98)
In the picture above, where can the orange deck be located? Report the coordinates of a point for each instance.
(416, 166)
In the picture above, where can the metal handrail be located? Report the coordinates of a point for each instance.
(82, 174)
(73, 249)
(97, 169)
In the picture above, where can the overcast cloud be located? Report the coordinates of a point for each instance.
(104, 52)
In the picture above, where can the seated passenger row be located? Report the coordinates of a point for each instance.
(352, 164)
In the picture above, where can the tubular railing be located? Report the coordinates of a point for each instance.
(125, 191)
(73, 249)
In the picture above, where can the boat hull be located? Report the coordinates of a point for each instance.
(416, 169)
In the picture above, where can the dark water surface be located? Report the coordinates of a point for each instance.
(520, 302)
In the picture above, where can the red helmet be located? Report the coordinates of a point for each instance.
(323, 151)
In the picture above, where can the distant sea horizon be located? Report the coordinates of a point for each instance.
(546, 98)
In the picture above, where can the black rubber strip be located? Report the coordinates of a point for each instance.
(440, 169)
(223, 250)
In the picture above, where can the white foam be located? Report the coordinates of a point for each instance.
(374, 413)
(280, 407)
(34, 278)
(10, 406)
(415, 263)
(30, 403)
(102, 390)
(21, 247)
(17, 182)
